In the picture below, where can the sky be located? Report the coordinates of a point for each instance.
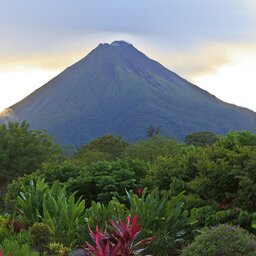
(211, 43)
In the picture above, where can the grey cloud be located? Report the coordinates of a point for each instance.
(47, 26)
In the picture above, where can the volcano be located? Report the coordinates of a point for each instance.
(117, 89)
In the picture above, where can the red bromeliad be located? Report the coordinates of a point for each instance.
(120, 242)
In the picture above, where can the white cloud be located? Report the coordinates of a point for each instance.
(234, 82)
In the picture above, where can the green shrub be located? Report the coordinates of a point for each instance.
(16, 247)
(40, 236)
(58, 249)
(21, 238)
(29, 202)
(14, 188)
(4, 232)
(64, 214)
(163, 217)
(222, 240)
(211, 215)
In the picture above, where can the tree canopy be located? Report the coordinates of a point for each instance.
(201, 138)
(22, 150)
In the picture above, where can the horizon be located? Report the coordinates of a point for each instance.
(212, 45)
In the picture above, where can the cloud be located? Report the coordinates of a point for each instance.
(57, 60)
(203, 60)
(190, 37)
(46, 26)
(234, 81)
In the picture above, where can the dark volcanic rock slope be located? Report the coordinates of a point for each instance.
(117, 89)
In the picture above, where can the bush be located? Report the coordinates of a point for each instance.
(12, 230)
(163, 217)
(59, 249)
(40, 235)
(17, 244)
(14, 188)
(13, 248)
(53, 206)
(29, 203)
(222, 240)
(14, 225)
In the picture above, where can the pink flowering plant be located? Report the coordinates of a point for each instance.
(120, 241)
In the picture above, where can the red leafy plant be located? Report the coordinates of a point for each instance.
(2, 254)
(139, 191)
(14, 225)
(121, 241)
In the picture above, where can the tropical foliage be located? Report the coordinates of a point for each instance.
(109, 192)
(52, 205)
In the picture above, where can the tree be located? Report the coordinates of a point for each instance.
(153, 131)
(201, 138)
(22, 150)
(103, 180)
(108, 147)
(60, 171)
(149, 150)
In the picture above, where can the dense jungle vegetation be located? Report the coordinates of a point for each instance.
(110, 197)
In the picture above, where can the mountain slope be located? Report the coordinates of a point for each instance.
(117, 89)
